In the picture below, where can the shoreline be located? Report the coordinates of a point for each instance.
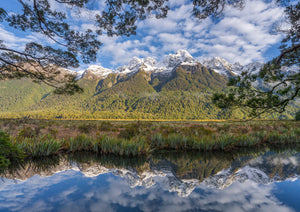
(39, 138)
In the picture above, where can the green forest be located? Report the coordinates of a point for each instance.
(186, 94)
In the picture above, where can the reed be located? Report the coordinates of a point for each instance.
(37, 147)
(79, 143)
(278, 138)
(132, 139)
(157, 140)
(131, 147)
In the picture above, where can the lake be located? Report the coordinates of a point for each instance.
(253, 180)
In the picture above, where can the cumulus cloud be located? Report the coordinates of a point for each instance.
(13, 41)
(240, 36)
(71, 191)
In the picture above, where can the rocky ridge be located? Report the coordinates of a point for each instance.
(170, 63)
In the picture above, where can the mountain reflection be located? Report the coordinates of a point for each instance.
(176, 172)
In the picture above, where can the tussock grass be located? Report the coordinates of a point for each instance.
(37, 147)
(128, 147)
(141, 138)
(222, 142)
(46, 146)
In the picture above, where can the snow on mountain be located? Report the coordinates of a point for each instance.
(225, 68)
(171, 61)
(290, 70)
(95, 71)
(227, 177)
(252, 68)
(219, 65)
(259, 170)
(182, 57)
(134, 65)
(79, 74)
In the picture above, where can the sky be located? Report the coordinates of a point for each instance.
(242, 36)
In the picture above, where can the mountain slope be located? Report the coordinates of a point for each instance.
(179, 87)
(194, 78)
(15, 95)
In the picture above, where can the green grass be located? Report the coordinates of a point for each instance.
(46, 146)
(224, 142)
(37, 138)
(35, 147)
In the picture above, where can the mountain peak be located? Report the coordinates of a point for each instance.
(95, 71)
(181, 56)
(168, 65)
(219, 65)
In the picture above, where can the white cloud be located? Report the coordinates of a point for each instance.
(13, 41)
(240, 36)
(71, 191)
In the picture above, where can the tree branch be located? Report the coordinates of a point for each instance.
(286, 51)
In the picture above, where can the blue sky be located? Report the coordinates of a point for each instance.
(240, 36)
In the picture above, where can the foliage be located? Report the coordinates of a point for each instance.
(280, 87)
(105, 126)
(129, 132)
(71, 46)
(28, 132)
(297, 117)
(45, 63)
(149, 136)
(37, 147)
(130, 98)
(8, 151)
(86, 128)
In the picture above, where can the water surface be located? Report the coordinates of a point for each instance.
(264, 180)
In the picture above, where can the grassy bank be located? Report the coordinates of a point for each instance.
(37, 138)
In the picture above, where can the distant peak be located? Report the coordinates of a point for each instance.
(181, 56)
(183, 52)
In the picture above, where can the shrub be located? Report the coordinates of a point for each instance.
(8, 151)
(53, 132)
(297, 117)
(129, 132)
(86, 128)
(28, 132)
(105, 126)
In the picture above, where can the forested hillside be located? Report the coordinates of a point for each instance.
(185, 94)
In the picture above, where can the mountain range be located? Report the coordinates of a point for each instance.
(168, 64)
(178, 87)
(180, 174)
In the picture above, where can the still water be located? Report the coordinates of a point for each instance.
(259, 180)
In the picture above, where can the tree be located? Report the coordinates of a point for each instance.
(119, 18)
(279, 87)
(44, 63)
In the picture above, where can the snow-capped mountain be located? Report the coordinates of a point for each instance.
(223, 67)
(165, 67)
(148, 64)
(95, 71)
(263, 169)
(171, 61)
